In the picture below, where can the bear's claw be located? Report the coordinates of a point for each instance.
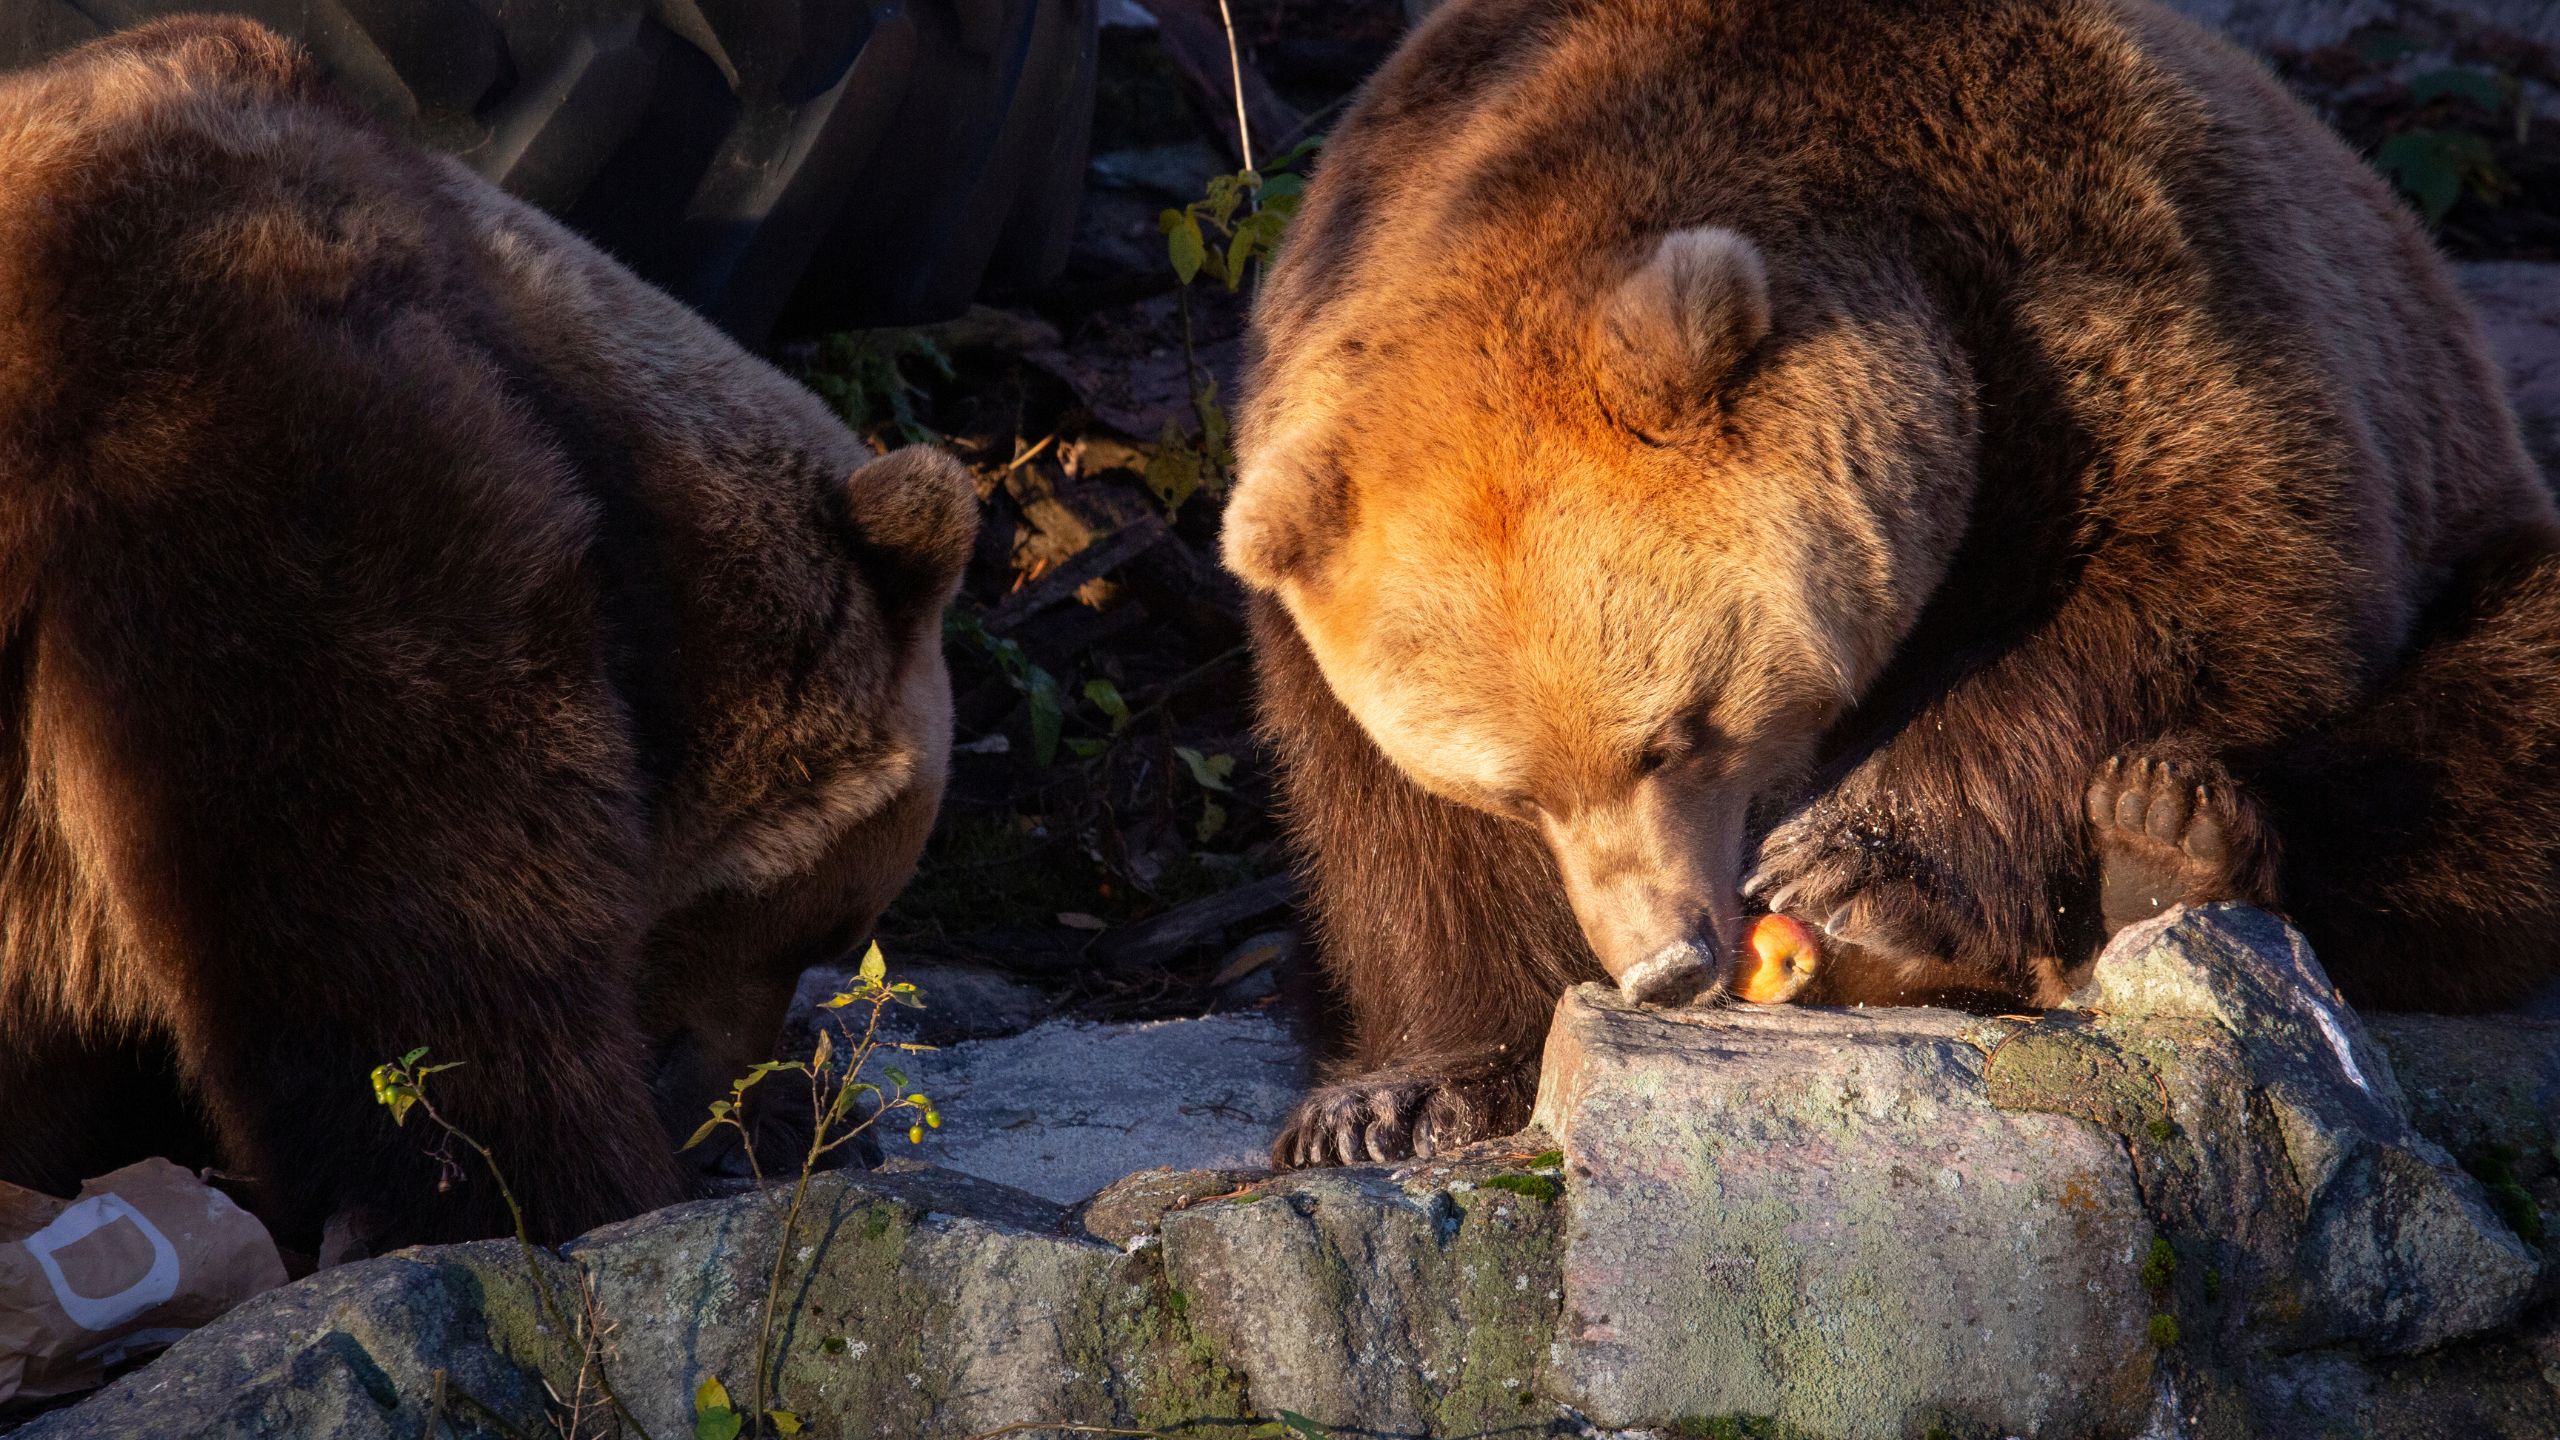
(2168, 833)
(1379, 1120)
(1858, 878)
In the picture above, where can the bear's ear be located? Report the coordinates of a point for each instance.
(1283, 519)
(915, 515)
(1670, 333)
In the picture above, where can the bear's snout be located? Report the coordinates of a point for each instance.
(1680, 973)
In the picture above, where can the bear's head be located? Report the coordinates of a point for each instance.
(1602, 548)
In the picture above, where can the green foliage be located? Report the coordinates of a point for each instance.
(2494, 1167)
(714, 1418)
(1536, 1187)
(2435, 166)
(863, 375)
(400, 1084)
(1210, 773)
(1238, 223)
(1227, 234)
(1041, 694)
(1105, 697)
(2490, 92)
(838, 1117)
(2434, 161)
(2160, 1267)
(2164, 1330)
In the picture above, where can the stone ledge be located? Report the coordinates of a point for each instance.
(1850, 1223)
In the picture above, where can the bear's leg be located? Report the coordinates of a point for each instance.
(2422, 834)
(550, 1075)
(1444, 931)
(2173, 831)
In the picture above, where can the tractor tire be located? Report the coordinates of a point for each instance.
(812, 164)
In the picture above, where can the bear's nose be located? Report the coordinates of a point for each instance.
(1679, 973)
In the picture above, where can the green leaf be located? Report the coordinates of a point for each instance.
(1048, 716)
(1173, 468)
(1183, 244)
(1240, 251)
(784, 1422)
(413, 1057)
(1106, 698)
(1303, 1427)
(2480, 88)
(896, 1076)
(2420, 162)
(1289, 158)
(836, 1002)
(700, 1133)
(875, 966)
(1086, 749)
(714, 1418)
(1225, 192)
(1280, 189)
(1211, 771)
(2381, 47)
(1213, 818)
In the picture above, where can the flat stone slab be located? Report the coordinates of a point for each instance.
(1066, 1108)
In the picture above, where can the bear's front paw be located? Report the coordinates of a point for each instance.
(1847, 870)
(1380, 1119)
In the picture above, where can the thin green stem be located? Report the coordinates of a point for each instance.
(550, 1307)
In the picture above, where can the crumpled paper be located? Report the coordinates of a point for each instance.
(143, 1256)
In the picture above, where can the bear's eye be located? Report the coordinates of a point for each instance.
(1691, 737)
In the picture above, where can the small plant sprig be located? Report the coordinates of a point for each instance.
(1226, 234)
(862, 374)
(400, 1086)
(2435, 164)
(838, 1117)
(1039, 689)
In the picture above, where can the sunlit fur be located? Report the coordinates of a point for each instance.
(414, 630)
(1918, 404)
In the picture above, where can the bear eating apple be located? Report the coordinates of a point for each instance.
(1966, 475)
(414, 630)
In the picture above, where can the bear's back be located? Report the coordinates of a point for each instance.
(233, 307)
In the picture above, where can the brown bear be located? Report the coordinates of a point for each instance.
(414, 630)
(1888, 463)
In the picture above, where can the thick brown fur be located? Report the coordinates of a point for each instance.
(414, 630)
(2032, 386)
